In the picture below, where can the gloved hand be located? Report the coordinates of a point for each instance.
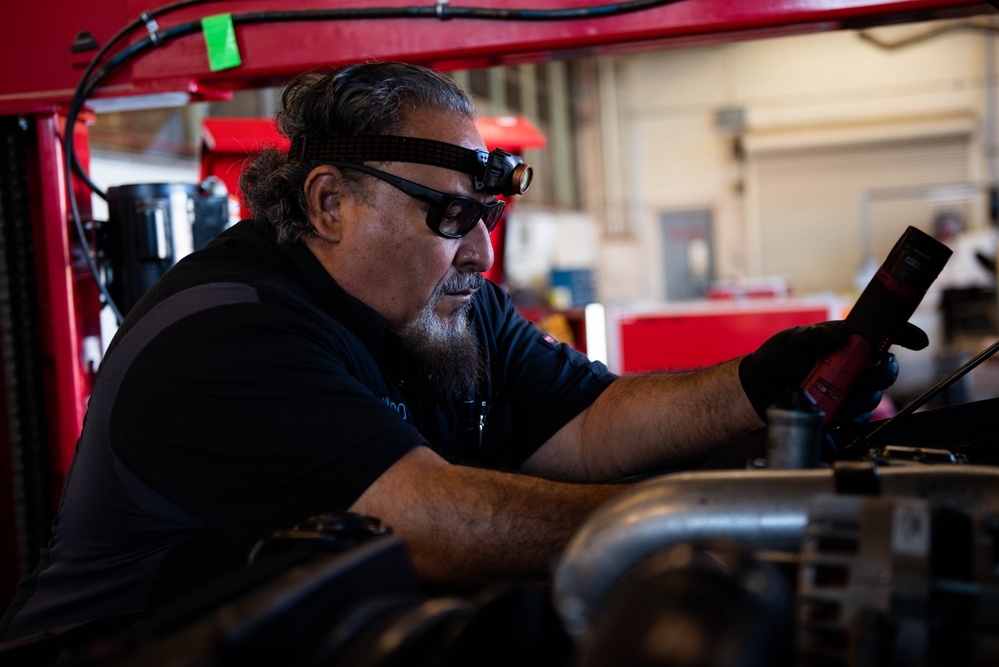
(784, 360)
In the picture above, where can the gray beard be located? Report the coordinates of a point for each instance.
(445, 353)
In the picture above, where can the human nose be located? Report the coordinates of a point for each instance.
(476, 251)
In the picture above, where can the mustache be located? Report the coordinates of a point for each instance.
(460, 282)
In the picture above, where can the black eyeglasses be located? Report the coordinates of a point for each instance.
(451, 216)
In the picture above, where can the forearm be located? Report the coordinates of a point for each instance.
(644, 423)
(671, 419)
(466, 526)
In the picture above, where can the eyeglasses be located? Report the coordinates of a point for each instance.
(451, 216)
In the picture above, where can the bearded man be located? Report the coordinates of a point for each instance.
(341, 351)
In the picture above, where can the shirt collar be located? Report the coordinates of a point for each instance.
(365, 322)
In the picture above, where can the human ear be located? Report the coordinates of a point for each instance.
(322, 188)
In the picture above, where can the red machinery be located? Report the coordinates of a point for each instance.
(49, 305)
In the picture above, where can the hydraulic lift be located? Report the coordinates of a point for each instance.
(156, 53)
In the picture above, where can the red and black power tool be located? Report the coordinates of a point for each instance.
(885, 305)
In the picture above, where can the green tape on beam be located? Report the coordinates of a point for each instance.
(220, 40)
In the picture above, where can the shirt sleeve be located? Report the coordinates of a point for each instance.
(254, 418)
(539, 382)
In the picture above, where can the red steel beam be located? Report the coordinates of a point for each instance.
(42, 70)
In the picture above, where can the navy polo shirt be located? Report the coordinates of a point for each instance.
(247, 391)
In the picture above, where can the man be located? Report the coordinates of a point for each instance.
(342, 351)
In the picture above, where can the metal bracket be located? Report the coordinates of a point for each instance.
(153, 27)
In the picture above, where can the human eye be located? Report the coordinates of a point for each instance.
(455, 219)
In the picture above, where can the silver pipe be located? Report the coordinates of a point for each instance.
(794, 436)
(760, 510)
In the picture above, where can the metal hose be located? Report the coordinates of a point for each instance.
(761, 510)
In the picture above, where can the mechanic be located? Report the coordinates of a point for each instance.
(341, 350)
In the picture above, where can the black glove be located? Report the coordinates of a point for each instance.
(784, 360)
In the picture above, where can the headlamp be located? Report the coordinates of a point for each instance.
(503, 173)
(496, 172)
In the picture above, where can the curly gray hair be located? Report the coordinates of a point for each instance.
(356, 100)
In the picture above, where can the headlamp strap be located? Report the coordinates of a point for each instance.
(388, 148)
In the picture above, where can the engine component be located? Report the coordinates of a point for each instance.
(151, 226)
(893, 581)
(709, 606)
(901, 575)
(794, 434)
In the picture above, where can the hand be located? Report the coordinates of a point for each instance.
(866, 393)
(785, 359)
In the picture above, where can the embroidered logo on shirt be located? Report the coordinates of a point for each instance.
(398, 407)
(550, 340)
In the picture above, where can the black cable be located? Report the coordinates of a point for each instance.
(928, 35)
(442, 11)
(446, 11)
(597, 11)
(117, 37)
(928, 395)
(72, 163)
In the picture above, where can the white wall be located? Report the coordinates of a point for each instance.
(675, 157)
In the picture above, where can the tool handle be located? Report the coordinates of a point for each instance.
(885, 305)
(832, 377)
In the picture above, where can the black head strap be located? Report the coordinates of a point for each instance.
(387, 148)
